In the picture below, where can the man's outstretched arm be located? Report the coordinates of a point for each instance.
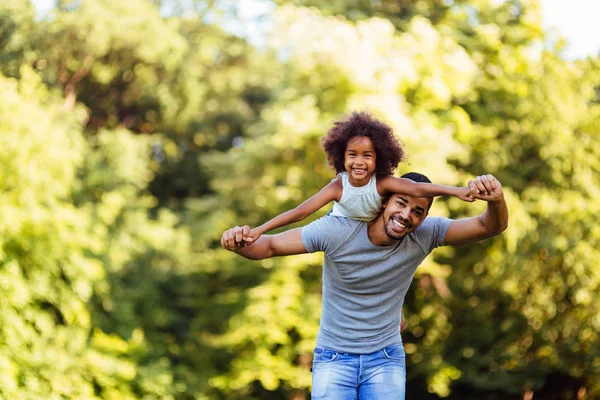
(492, 222)
(283, 244)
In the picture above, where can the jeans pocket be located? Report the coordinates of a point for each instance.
(395, 352)
(324, 355)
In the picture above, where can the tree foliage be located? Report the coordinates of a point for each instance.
(134, 133)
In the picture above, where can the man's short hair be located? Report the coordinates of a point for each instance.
(415, 177)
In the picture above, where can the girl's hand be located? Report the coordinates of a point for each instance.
(467, 194)
(252, 236)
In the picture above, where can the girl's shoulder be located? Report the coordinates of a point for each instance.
(383, 182)
(391, 183)
(336, 186)
(385, 178)
(339, 179)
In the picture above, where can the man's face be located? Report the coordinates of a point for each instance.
(403, 214)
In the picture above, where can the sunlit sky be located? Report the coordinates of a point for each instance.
(576, 20)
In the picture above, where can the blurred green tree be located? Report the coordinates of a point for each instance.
(470, 90)
(134, 133)
(55, 253)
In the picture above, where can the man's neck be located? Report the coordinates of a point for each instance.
(377, 235)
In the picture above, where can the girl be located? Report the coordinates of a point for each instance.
(364, 153)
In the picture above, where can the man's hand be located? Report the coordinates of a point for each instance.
(402, 323)
(486, 188)
(492, 222)
(235, 237)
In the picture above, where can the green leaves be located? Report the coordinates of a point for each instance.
(56, 256)
(131, 139)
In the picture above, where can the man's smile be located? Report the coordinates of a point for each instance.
(399, 225)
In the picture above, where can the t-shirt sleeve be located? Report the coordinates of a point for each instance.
(324, 234)
(432, 232)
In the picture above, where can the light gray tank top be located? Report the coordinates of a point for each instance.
(362, 203)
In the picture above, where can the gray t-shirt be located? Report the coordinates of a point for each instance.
(364, 285)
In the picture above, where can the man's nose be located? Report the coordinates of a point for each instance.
(404, 213)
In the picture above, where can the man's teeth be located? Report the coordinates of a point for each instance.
(399, 224)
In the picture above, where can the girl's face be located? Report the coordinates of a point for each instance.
(360, 160)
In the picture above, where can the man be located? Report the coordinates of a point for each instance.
(367, 270)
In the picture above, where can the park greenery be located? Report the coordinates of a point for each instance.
(133, 133)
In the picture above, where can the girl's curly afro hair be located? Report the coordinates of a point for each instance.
(388, 149)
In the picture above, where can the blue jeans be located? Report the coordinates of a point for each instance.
(376, 376)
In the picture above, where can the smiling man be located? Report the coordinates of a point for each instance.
(367, 270)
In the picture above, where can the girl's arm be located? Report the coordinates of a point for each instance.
(333, 191)
(417, 189)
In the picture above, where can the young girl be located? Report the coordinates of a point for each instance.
(364, 153)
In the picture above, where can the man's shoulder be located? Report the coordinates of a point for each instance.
(334, 222)
(328, 231)
(431, 233)
(430, 222)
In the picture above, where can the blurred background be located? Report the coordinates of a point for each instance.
(132, 133)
